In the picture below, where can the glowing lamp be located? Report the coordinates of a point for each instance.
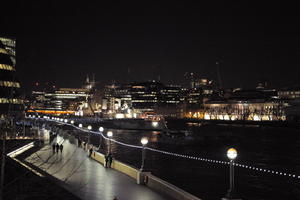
(72, 121)
(144, 141)
(109, 133)
(154, 124)
(101, 129)
(231, 153)
(66, 120)
(89, 127)
(80, 125)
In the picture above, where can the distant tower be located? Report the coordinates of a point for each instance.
(87, 79)
(89, 84)
(219, 74)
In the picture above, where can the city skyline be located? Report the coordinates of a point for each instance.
(252, 43)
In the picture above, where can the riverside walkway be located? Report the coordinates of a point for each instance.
(86, 178)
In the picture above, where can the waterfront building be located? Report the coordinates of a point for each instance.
(289, 93)
(146, 96)
(117, 99)
(65, 101)
(143, 97)
(60, 101)
(11, 102)
(254, 105)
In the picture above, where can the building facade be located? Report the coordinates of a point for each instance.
(11, 102)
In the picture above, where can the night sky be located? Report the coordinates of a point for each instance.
(60, 44)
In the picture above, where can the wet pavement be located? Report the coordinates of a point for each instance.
(86, 178)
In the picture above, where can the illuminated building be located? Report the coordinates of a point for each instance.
(289, 93)
(10, 101)
(143, 97)
(117, 98)
(61, 101)
(146, 96)
(254, 105)
(171, 96)
(9, 47)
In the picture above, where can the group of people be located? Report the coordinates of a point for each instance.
(56, 147)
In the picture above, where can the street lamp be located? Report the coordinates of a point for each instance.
(72, 121)
(80, 125)
(154, 124)
(144, 142)
(101, 129)
(66, 120)
(231, 154)
(109, 135)
(89, 137)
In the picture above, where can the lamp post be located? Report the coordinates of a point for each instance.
(109, 135)
(231, 154)
(101, 129)
(144, 142)
(89, 136)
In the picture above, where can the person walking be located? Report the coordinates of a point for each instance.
(57, 147)
(61, 148)
(106, 161)
(53, 148)
(91, 151)
(109, 160)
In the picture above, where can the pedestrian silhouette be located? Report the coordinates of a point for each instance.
(57, 147)
(91, 151)
(109, 159)
(61, 148)
(53, 147)
(106, 160)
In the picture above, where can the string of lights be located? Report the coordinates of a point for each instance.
(275, 172)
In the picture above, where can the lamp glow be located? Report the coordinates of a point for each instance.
(89, 127)
(231, 153)
(80, 125)
(154, 124)
(101, 129)
(66, 120)
(109, 133)
(144, 141)
(72, 121)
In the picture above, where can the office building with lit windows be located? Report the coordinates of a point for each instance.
(10, 101)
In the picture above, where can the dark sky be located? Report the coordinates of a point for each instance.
(61, 43)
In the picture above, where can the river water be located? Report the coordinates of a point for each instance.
(272, 148)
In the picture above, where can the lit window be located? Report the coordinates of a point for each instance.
(3, 51)
(9, 84)
(7, 67)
